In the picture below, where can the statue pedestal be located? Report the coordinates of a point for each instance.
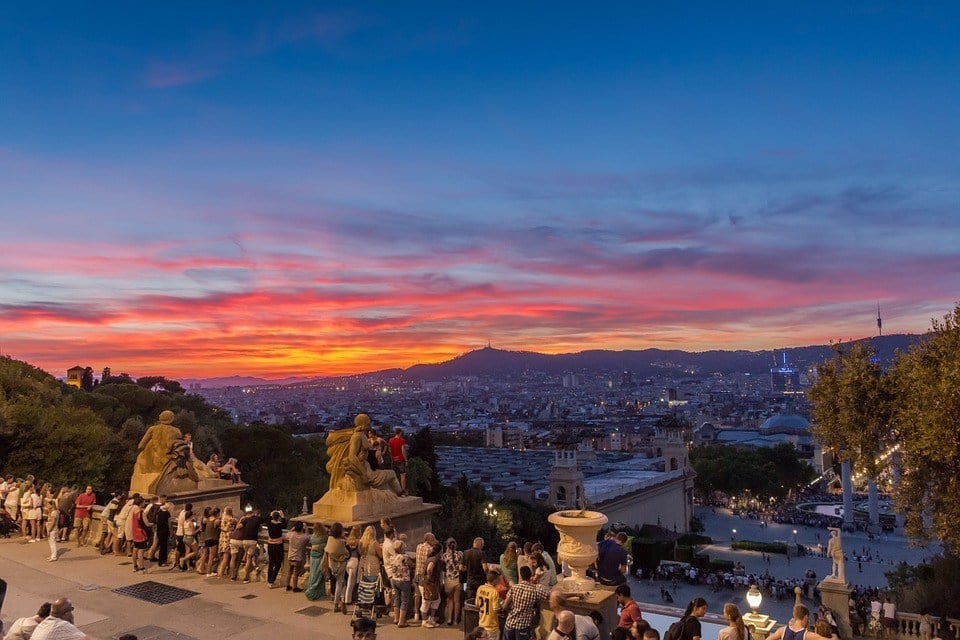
(835, 595)
(601, 599)
(409, 514)
(212, 493)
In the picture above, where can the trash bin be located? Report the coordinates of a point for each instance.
(470, 616)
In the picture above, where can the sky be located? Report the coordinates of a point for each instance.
(273, 189)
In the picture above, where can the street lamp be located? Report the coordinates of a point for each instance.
(733, 535)
(794, 535)
(762, 625)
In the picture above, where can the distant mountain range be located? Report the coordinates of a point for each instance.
(646, 362)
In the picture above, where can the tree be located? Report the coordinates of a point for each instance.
(280, 468)
(422, 448)
(926, 421)
(764, 472)
(86, 379)
(852, 400)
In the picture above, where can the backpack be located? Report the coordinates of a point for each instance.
(675, 630)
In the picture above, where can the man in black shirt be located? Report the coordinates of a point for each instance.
(476, 567)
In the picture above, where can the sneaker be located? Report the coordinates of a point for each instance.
(246, 582)
(211, 575)
(32, 540)
(429, 624)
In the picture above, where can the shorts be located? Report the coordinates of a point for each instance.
(400, 466)
(210, 543)
(82, 523)
(189, 541)
(141, 545)
(249, 548)
(236, 546)
(492, 634)
(890, 623)
(181, 548)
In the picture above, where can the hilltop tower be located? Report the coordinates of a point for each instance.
(566, 477)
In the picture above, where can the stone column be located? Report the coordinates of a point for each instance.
(847, 480)
(873, 500)
(835, 595)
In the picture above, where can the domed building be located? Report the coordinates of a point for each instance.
(777, 429)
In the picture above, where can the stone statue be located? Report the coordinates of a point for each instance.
(835, 551)
(348, 465)
(199, 468)
(163, 461)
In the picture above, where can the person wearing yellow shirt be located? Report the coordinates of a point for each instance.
(488, 602)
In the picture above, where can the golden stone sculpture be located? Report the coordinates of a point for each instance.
(163, 461)
(348, 465)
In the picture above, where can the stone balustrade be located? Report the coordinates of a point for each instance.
(908, 626)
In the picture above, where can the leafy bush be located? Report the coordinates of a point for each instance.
(756, 545)
(721, 565)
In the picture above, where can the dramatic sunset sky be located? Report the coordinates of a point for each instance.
(209, 188)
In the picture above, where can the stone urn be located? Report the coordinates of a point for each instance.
(578, 544)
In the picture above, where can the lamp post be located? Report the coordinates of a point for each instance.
(762, 625)
(733, 535)
(795, 536)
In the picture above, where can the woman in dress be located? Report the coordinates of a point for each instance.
(139, 536)
(337, 554)
(316, 585)
(452, 560)
(227, 525)
(508, 563)
(370, 555)
(353, 561)
(53, 523)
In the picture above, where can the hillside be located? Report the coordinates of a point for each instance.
(489, 361)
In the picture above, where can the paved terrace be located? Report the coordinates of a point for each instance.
(222, 609)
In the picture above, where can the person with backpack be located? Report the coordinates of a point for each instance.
(688, 626)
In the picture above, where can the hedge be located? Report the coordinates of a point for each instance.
(756, 545)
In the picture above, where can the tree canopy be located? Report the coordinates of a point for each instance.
(912, 413)
(926, 425)
(851, 406)
(764, 472)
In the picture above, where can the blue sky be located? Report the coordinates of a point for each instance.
(320, 188)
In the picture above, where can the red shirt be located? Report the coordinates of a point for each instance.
(397, 443)
(82, 507)
(629, 613)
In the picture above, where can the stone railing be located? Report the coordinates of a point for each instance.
(908, 626)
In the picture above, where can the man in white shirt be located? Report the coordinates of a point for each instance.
(59, 626)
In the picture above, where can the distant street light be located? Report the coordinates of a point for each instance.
(795, 535)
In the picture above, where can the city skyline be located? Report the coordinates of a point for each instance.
(329, 189)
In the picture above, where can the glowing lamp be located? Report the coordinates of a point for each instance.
(754, 598)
